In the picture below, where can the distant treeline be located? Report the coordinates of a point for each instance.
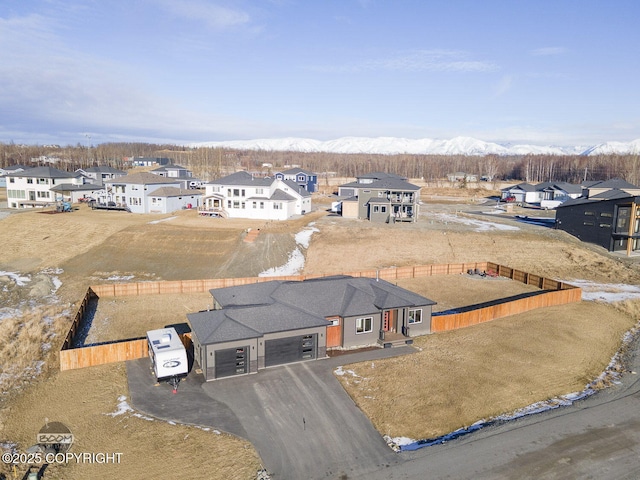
(211, 163)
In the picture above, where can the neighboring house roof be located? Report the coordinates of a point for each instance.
(14, 168)
(297, 188)
(385, 184)
(280, 195)
(103, 169)
(613, 194)
(566, 187)
(44, 172)
(70, 187)
(614, 183)
(381, 176)
(142, 178)
(524, 186)
(242, 178)
(294, 171)
(172, 192)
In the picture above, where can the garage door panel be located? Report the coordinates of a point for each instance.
(290, 349)
(232, 361)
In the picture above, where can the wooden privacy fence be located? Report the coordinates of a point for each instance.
(554, 293)
(197, 286)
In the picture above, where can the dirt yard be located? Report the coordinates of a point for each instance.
(49, 260)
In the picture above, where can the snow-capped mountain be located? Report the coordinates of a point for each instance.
(393, 145)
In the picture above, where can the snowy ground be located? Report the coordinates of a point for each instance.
(295, 263)
(478, 225)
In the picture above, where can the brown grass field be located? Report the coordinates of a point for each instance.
(457, 377)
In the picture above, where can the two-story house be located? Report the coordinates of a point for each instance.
(304, 178)
(147, 193)
(241, 195)
(380, 197)
(101, 173)
(33, 187)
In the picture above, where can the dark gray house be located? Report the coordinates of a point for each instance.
(610, 219)
(271, 323)
(380, 197)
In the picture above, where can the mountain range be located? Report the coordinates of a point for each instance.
(425, 146)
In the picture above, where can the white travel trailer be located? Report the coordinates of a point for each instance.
(168, 355)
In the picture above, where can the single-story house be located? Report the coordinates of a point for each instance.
(521, 193)
(242, 195)
(558, 193)
(276, 322)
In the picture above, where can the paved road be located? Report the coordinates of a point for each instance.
(298, 417)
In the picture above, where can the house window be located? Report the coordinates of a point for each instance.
(29, 180)
(236, 204)
(262, 205)
(42, 181)
(364, 325)
(606, 214)
(376, 208)
(259, 191)
(236, 192)
(588, 224)
(383, 208)
(415, 315)
(43, 194)
(605, 225)
(12, 180)
(277, 206)
(254, 205)
(589, 213)
(228, 203)
(301, 178)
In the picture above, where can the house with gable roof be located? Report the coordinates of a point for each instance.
(34, 187)
(304, 178)
(272, 323)
(145, 192)
(380, 197)
(242, 195)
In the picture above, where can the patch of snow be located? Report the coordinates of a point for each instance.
(18, 279)
(123, 407)
(294, 266)
(161, 220)
(340, 371)
(606, 292)
(480, 226)
(303, 237)
(118, 278)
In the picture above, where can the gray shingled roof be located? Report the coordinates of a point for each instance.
(172, 192)
(249, 311)
(142, 178)
(329, 296)
(614, 183)
(70, 187)
(103, 169)
(43, 172)
(242, 178)
(292, 171)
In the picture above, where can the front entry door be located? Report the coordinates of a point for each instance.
(389, 319)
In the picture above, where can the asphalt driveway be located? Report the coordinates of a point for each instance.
(298, 417)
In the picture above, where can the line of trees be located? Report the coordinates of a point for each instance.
(211, 163)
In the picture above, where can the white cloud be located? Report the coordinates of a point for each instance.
(503, 86)
(415, 61)
(214, 16)
(548, 51)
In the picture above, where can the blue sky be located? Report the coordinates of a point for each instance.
(542, 72)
